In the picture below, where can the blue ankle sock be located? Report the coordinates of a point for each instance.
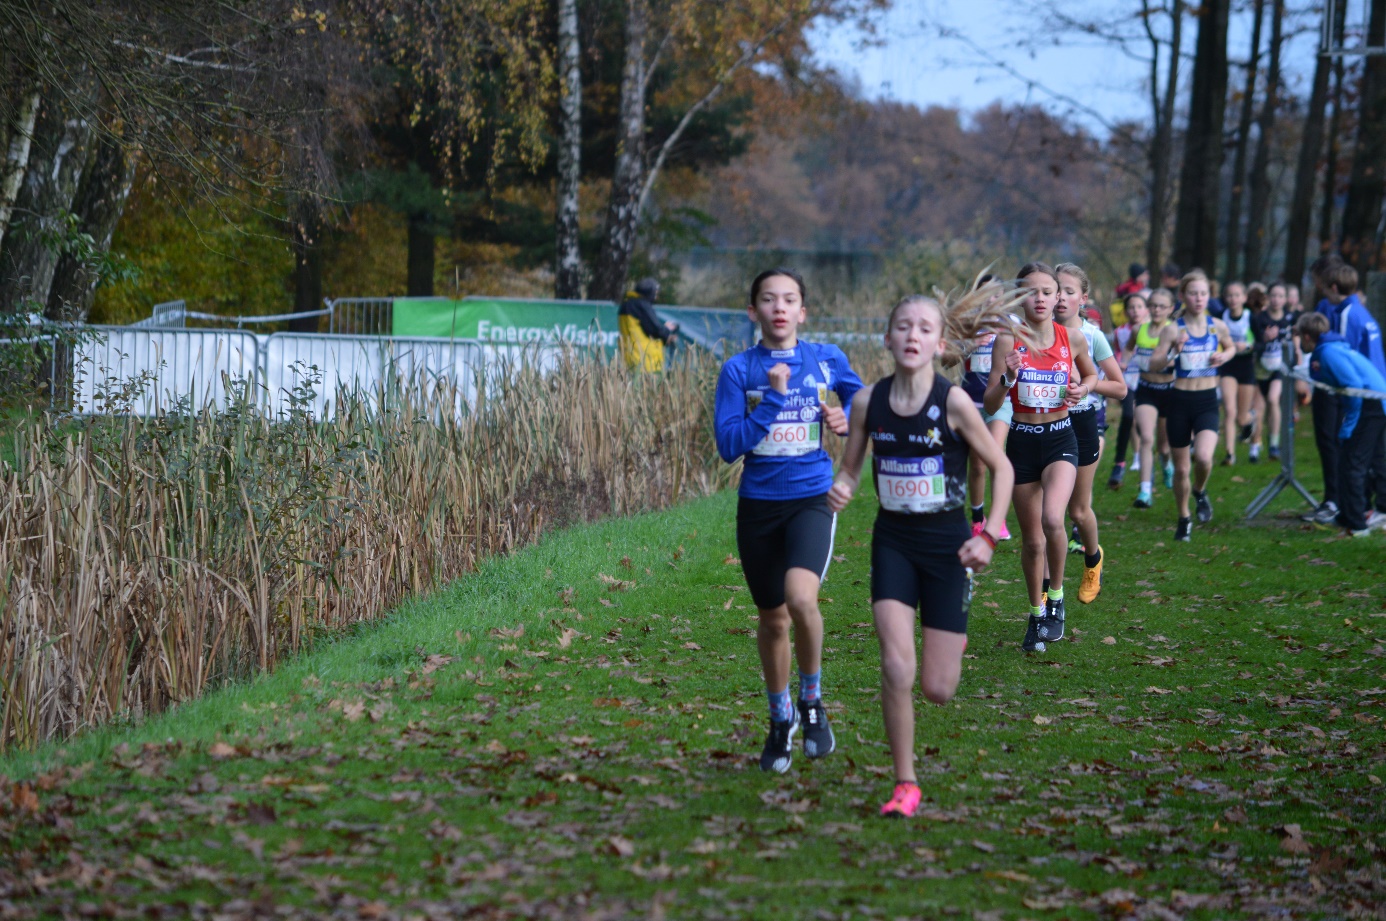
(781, 707)
(810, 686)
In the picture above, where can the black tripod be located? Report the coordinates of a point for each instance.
(1286, 476)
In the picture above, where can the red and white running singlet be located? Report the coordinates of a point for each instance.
(1042, 382)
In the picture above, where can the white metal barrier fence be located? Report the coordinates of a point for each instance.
(372, 368)
(147, 371)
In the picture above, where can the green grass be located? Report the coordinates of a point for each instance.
(1240, 694)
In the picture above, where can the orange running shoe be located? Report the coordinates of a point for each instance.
(1092, 579)
(903, 802)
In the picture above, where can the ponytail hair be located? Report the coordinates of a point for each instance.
(986, 307)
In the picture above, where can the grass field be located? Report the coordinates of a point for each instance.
(571, 732)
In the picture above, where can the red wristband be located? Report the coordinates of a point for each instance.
(986, 536)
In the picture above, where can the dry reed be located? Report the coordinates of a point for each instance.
(145, 561)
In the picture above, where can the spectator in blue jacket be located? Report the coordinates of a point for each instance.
(1363, 426)
(1351, 319)
(1362, 333)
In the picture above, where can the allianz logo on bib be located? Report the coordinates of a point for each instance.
(910, 466)
(1036, 376)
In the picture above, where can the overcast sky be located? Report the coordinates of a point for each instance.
(914, 64)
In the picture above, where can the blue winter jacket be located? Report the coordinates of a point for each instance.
(1335, 363)
(1360, 330)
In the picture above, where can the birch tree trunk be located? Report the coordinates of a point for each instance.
(39, 223)
(627, 182)
(100, 202)
(1196, 220)
(1306, 174)
(1244, 121)
(20, 142)
(1260, 168)
(1362, 212)
(568, 256)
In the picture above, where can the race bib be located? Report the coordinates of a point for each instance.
(1141, 360)
(911, 484)
(795, 431)
(1273, 358)
(1042, 390)
(979, 363)
(1194, 361)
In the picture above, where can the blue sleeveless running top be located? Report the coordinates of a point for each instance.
(1195, 358)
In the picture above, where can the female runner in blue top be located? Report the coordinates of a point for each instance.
(1195, 347)
(920, 428)
(772, 407)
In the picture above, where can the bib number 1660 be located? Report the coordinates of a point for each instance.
(789, 438)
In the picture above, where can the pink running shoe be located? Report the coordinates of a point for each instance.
(1005, 532)
(977, 527)
(903, 802)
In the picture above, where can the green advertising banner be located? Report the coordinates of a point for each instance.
(508, 321)
(521, 321)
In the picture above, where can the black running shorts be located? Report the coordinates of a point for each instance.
(1085, 429)
(1189, 412)
(1148, 394)
(1242, 368)
(917, 565)
(1033, 446)
(1265, 384)
(774, 536)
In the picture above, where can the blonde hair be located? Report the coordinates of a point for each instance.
(1192, 276)
(1070, 268)
(985, 307)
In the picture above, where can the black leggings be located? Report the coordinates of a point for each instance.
(1128, 419)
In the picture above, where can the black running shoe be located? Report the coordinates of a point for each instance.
(779, 745)
(1246, 432)
(1326, 513)
(1204, 508)
(818, 734)
(1184, 530)
(1051, 625)
(1032, 642)
(1118, 474)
